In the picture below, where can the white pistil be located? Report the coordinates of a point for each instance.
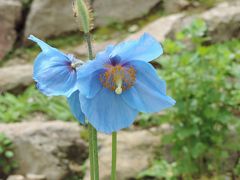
(118, 90)
(76, 63)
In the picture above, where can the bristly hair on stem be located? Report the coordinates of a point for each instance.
(84, 15)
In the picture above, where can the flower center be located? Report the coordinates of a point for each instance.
(118, 78)
(75, 63)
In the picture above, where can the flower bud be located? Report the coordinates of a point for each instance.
(83, 14)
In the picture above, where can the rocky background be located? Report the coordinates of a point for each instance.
(56, 150)
(53, 18)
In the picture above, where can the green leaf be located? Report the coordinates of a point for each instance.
(198, 150)
(9, 154)
(160, 169)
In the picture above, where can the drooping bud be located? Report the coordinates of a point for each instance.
(83, 14)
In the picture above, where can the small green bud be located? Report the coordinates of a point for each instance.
(83, 14)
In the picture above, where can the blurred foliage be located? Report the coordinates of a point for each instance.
(205, 81)
(160, 169)
(15, 108)
(66, 41)
(79, 175)
(148, 120)
(7, 164)
(205, 3)
(26, 3)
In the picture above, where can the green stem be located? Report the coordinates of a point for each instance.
(89, 44)
(91, 153)
(114, 155)
(93, 147)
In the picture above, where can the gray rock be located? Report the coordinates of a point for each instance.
(82, 50)
(134, 154)
(16, 61)
(133, 28)
(15, 177)
(15, 77)
(173, 6)
(108, 11)
(159, 28)
(54, 17)
(50, 18)
(223, 21)
(35, 177)
(46, 148)
(10, 13)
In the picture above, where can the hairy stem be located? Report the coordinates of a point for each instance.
(91, 153)
(93, 144)
(95, 148)
(114, 155)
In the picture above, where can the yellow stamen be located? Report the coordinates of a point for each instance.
(118, 78)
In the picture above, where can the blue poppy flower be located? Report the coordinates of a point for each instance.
(55, 74)
(74, 104)
(53, 71)
(121, 82)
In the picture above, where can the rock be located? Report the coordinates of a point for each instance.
(50, 18)
(10, 13)
(28, 177)
(16, 61)
(109, 11)
(16, 177)
(54, 17)
(15, 77)
(134, 154)
(223, 21)
(97, 47)
(159, 28)
(173, 6)
(133, 28)
(46, 148)
(35, 177)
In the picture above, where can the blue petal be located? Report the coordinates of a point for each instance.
(74, 104)
(107, 112)
(149, 92)
(88, 74)
(52, 71)
(145, 49)
(91, 66)
(89, 86)
(44, 46)
(55, 79)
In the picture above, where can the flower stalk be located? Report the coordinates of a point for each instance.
(83, 15)
(114, 155)
(93, 144)
(91, 152)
